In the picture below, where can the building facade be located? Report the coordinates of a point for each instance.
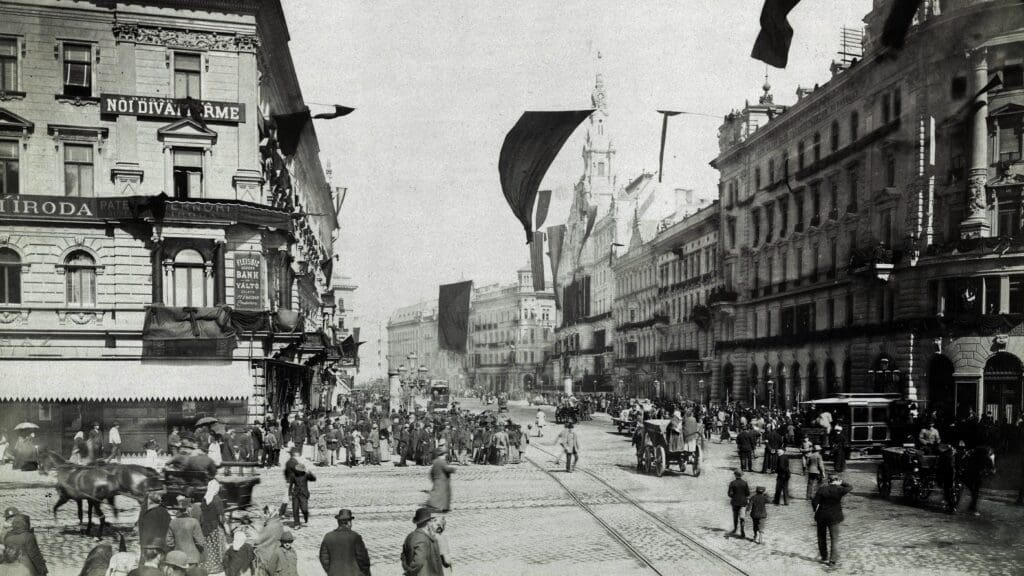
(413, 348)
(871, 230)
(511, 333)
(157, 247)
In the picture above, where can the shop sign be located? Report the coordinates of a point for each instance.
(248, 281)
(171, 108)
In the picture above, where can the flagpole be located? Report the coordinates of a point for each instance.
(661, 153)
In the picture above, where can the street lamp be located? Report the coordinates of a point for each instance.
(700, 386)
(770, 384)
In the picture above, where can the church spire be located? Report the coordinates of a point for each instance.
(598, 98)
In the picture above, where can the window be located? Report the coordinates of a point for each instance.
(78, 170)
(817, 146)
(800, 155)
(80, 275)
(830, 311)
(600, 168)
(785, 164)
(834, 135)
(785, 268)
(815, 203)
(191, 283)
(992, 285)
(798, 202)
(1016, 294)
(890, 170)
(187, 75)
(771, 171)
(1008, 222)
(10, 277)
(77, 70)
(188, 173)
(833, 193)
(886, 232)
(755, 215)
(770, 217)
(958, 87)
(783, 217)
(8, 65)
(833, 249)
(854, 125)
(886, 108)
(731, 225)
(849, 309)
(799, 264)
(757, 178)
(897, 104)
(852, 176)
(8, 167)
(1009, 130)
(1013, 77)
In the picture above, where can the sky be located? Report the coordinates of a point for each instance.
(437, 85)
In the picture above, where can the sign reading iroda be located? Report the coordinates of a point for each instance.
(159, 107)
(248, 281)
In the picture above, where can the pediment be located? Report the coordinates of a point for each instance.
(11, 122)
(187, 129)
(1008, 110)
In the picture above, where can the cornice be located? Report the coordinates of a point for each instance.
(182, 38)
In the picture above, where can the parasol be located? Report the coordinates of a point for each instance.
(206, 421)
(27, 426)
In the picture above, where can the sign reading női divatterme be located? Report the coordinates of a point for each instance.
(160, 107)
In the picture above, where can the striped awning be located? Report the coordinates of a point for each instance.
(121, 380)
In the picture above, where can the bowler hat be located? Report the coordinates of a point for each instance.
(422, 515)
(287, 536)
(760, 489)
(11, 512)
(344, 514)
(177, 558)
(738, 472)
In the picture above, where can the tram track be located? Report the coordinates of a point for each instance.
(713, 556)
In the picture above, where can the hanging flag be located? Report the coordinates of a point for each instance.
(772, 44)
(289, 130)
(526, 154)
(591, 218)
(453, 315)
(537, 261)
(338, 112)
(664, 131)
(901, 16)
(556, 235)
(543, 201)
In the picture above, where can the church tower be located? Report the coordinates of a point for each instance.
(598, 151)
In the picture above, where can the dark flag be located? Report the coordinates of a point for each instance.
(772, 44)
(453, 315)
(537, 261)
(338, 112)
(543, 201)
(591, 218)
(664, 132)
(901, 16)
(526, 154)
(556, 234)
(289, 130)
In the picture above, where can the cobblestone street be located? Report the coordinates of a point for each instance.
(522, 519)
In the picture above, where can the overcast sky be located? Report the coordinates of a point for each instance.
(437, 85)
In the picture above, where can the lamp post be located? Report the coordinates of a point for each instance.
(700, 386)
(770, 384)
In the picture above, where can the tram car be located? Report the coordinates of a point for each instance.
(871, 422)
(657, 450)
(440, 396)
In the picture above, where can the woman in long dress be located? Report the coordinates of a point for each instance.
(78, 448)
(211, 522)
(214, 450)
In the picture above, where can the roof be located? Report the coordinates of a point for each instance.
(121, 380)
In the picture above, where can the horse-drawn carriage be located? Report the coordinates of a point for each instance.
(567, 413)
(236, 479)
(502, 403)
(659, 446)
(919, 472)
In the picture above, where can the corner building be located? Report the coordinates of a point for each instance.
(163, 252)
(872, 231)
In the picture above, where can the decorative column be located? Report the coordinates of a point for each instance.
(219, 273)
(157, 255)
(975, 225)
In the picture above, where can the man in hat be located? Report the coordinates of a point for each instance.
(420, 553)
(154, 522)
(299, 491)
(838, 448)
(284, 561)
(828, 514)
(150, 564)
(745, 444)
(782, 475)
(570, 444)
(757, 508)
(815, 471)
(114, 437)
(95, 442)
(342, 552)
(173, 441)
(176, 563)
(291, 463)
(739, 492)
(184, 534)
(441, 472)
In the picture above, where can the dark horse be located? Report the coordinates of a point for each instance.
(134, 480)
(93, 484)
(976, 465)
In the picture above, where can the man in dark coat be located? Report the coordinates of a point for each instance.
(739, 493)
(342, 552)
(154, 522)
(772, 442)
(420, 553)
(297, 433)
(782, 475)
(298, 489)
(19, 536)
(745, 442)
(403, 445)
(828, 514)
(838, 449)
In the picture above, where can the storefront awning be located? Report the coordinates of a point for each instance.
(118, 380)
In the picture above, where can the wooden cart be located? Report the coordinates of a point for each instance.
(654, 453)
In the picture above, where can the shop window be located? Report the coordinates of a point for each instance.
(80, 279)
(45, 413)
(77, 70)
(8, 65)
(9, 167)
(187, 75)
(10, 277)
(78, 170)
(191, 283)
(188, 173)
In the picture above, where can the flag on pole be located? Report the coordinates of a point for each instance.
(537, 261)
(337, 113)
(664, 132)
(901, 16)
(543, 202)
(453, 315)
(526, 154)
(291, 125)
(555, 237)
(772, 44)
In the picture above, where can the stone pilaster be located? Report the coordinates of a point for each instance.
(975, 225)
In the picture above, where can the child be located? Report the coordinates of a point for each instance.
(757, 509)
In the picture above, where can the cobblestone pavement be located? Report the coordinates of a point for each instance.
(520, 519)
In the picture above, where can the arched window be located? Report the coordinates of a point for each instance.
(10, 277)
(817, 146)
(80, 279)
(834, 135)
(191, 282)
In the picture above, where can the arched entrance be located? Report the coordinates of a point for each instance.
(831, 386)
(782, 394)
(941, 393)
(1004, 387)
(727, 380)
(813, 389)
(796, 385)
(847, 382)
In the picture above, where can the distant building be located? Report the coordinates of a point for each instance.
(413, 346)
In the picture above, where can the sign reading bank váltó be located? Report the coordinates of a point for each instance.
(171, 108)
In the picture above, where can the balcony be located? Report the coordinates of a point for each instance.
(684, 355)
(722, 296)
(874, 261)
(701, 316)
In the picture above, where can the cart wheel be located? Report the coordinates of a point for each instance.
(884, 482)
(659, 460)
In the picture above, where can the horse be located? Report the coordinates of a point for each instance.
(134, 480)
(976, 465)
(93, 484)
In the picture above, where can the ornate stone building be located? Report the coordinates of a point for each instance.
(871, 230)
(163, 240)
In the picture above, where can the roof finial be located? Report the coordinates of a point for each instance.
(766, 98)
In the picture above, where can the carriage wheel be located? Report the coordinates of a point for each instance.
(659, 460)
(645, 456)
(884, 482)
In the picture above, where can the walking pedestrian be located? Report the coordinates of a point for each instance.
(420, 553)
(239, 558)
(440, 473)
(540, 423)
(284, 562)
(772, 442)
(173, 442)
(815, 471)
(211, 521)
(21, 537)
(443, 547)
(185, 535)
(757, 509)
(739, 492)
(782, 475)
(342, 551)
(838, 449)
(570, 446)
(154, 522)
(114, 437)
(828, 514)
(150, 566)
(79, 450)
(298, 490)
(745, 444)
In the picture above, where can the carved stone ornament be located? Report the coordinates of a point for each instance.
(80, 317)
(190, 39)
(14, 317)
